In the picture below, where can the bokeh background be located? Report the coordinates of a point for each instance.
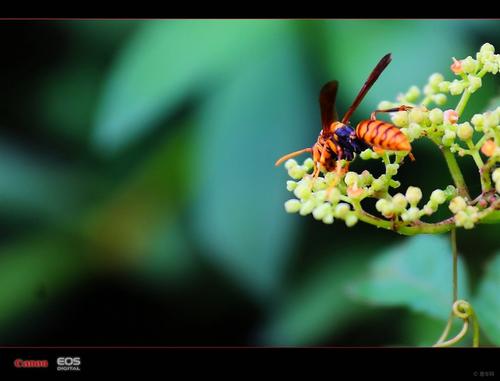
(139, 204)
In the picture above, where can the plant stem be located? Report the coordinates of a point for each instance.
(463, 102)
(455, 172)
(416, 228)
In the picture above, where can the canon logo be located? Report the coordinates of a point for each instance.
(20, 363)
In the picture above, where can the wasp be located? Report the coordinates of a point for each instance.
(339, 141)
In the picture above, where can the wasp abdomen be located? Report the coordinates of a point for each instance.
(383, 135)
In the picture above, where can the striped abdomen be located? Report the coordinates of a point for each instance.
(382, 135)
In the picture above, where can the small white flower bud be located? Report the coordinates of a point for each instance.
(439, 99)
(307, 207)
(436, 116)
(474, 83)
(291, 185)
(412, 94)
(456, 87)
(292, 206)
(413, 195)
(438, 196)
(351, 178)
(321, 211)
(469, 65)
(400, 118)
(341, 210)
(399, 202)
(290, 163)
(351, 219)
(457, 204)
(465, 131)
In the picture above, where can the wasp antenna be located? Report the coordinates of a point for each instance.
(290, 155)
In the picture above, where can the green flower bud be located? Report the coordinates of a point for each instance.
(385, 207)
(308, 164)
(297, 172)
(469, 65)
(307, 207)
(375, 155)
(435, 79)
(478, 121)
(351, 178)
(412, 214)
(302, 191)
(414, 130)
(448, 138)
(319, 184)
(456, 87)
(393, 183)
(292, 206)
(429, 208)
(328, 219)
(461, 218)
(450, 191)
(384, 105)
(333, 196)
(412, 94)
(444, 86)
(378, 184)
(496, 175)
(366, 154)
(491, 67)
(319, 196)
(351, 219)
(436, 116)
(487, 48)
(391, 169)
(438, 196)
(457, 204)
(341, 210)
(428, 90)
(416, 115)
(465, 131)
(321, 211)
(474, 83)
(291, 185)
(413, 195)
(330, 177)
(400, 118)
(439, 99)
(399, 202)
(366, 178)
(491, 119)
(290, 163)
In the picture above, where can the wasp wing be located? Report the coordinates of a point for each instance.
(386, 60)
(327, 97)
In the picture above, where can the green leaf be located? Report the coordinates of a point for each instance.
(416, 274)
(263, 112)
(487, 301)
(318, 306)
(355, 46)
(167, 61)
(492, 218)
(32, 186)
(33, 269)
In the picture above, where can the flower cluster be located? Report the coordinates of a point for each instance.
(334, 196)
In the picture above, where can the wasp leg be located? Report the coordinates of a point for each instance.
(373, 115)
(290, 155)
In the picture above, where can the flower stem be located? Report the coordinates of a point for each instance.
(455, 172)
(463, 102)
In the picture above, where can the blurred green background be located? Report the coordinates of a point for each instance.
(139, 203)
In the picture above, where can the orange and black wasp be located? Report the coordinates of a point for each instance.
(339, 141)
